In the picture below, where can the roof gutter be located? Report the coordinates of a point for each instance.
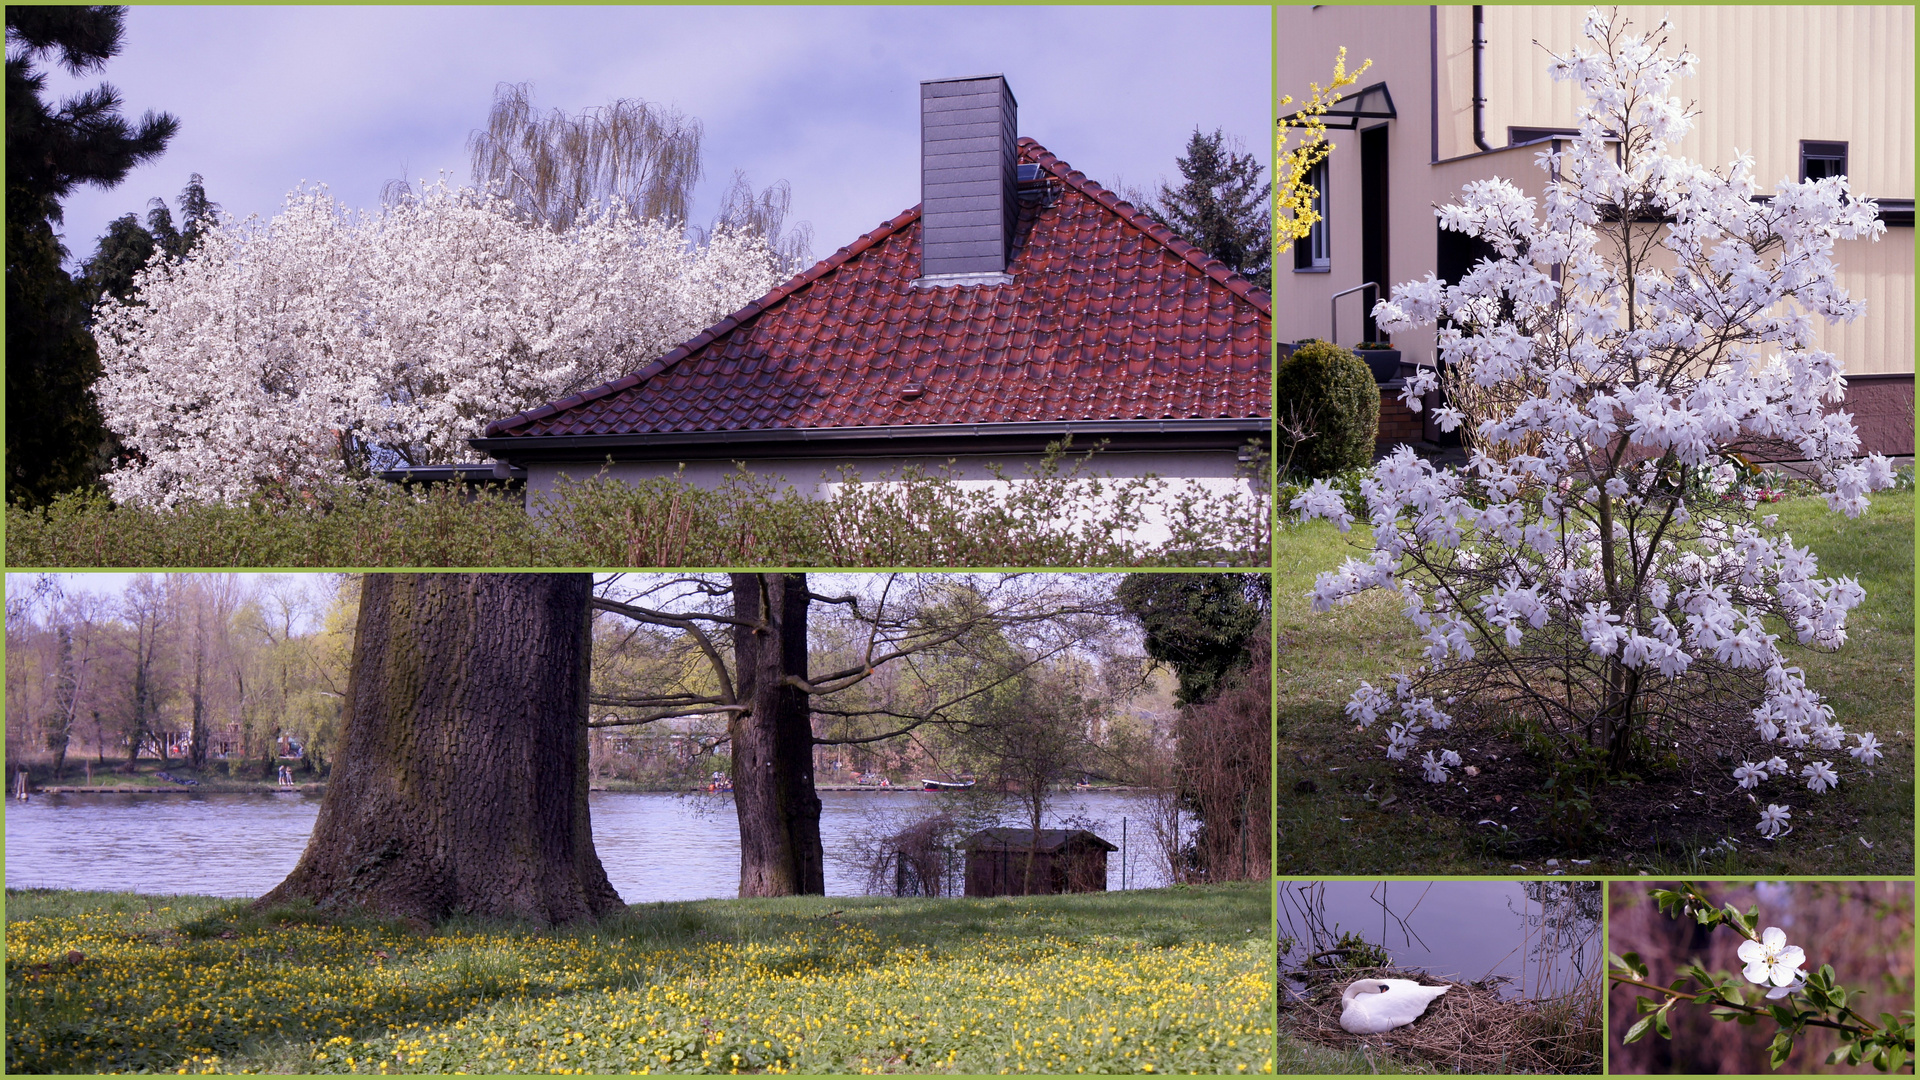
(878, 441)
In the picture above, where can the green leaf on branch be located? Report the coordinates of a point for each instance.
(1638, 1030)
(1631, 962)
(1782, 1046)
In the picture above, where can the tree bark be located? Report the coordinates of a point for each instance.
(460, 783)
(197, 737)
(141, 662)
(64, 699)
(773, 792)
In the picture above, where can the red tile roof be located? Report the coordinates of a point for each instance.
(1109, 317)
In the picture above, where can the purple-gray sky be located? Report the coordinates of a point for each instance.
(823, 97)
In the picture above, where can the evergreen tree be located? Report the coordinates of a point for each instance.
(122, 252)
(128, 245)
(55, 438)
(1222, 207)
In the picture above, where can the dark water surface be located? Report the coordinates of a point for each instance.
(1454, 930)
(654, 846)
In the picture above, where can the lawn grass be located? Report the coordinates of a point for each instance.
(1171, 980)
(1343, 808)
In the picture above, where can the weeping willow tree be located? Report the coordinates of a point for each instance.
(764, 213)
(555, 166)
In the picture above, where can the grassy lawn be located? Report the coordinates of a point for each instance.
(1173, 980)
(1345, 809)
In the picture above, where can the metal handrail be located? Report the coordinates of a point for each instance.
(1333, 309)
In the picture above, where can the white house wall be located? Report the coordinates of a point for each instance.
(1769, 76)
(1756, 64)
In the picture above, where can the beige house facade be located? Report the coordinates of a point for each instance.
(1462, 93)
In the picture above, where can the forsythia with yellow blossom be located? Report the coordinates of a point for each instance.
(1294, 196)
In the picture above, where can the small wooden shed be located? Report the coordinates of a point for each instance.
(1064, 860)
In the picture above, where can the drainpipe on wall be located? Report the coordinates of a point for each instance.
(1433, 81)
(1479, 89)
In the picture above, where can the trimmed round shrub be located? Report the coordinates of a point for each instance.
(1330, 392)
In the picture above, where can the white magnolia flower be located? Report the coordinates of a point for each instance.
(1771, 959)
(1868, 751)
(1656, 567)
(1436, 772)
(1820, 776)
(1321, 500)
(1773, 821)
(1367, 703)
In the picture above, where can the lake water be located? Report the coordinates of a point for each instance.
(654, 846)
(1455, 930)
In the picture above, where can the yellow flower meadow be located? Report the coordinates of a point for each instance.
(158, 992)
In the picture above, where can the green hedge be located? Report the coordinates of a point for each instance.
(917, 519)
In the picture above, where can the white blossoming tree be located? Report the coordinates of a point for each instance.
(1596, 573)
(325, 345)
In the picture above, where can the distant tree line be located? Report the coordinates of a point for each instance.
(194, 669)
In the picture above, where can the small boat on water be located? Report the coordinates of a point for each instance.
(945, 785)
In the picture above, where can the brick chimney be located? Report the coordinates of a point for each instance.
(967, 177)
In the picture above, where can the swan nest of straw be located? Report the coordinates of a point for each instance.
(1470, 1027)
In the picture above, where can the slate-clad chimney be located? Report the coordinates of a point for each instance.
(967, 176)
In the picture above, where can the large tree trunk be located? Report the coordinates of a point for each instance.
(460, 784)
(773, 793)
(197, 738)
(63, 706)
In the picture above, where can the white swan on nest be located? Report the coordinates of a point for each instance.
(1376, 1005)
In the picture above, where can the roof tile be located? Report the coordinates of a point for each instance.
(1108, 316)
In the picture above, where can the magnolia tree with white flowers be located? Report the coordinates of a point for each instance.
(325, 345)
(1597, 571)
